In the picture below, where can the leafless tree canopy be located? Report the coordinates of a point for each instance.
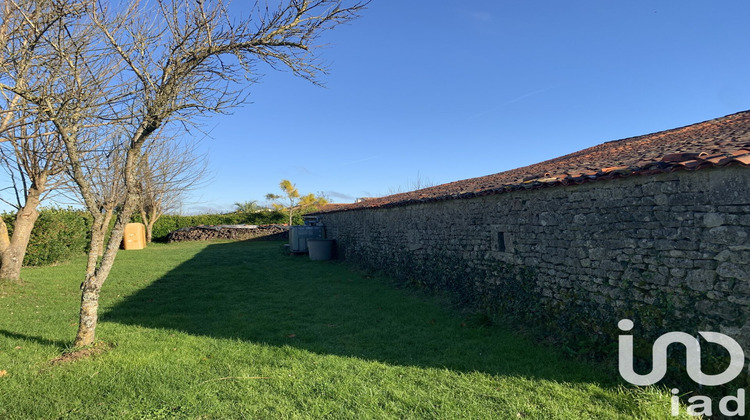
(31, 149)
(170, 167)
(104, 77)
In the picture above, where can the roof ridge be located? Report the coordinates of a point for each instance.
(712, 143)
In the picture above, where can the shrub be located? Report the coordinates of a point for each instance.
(58, 235)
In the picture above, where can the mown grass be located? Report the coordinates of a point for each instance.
(239, 330)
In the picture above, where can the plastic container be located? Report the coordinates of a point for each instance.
(320, 249)
(298, 236)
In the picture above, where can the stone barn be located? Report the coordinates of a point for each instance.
(654, 228)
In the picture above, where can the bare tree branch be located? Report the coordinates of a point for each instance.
(121, 72)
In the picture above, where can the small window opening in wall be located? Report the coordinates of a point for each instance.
(501, 241)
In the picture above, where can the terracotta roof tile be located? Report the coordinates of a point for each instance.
(745, 160)
(333, 207)
(719, 142)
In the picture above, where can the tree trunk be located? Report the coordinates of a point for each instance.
(149, 219)
(108, 213)
(95, 278)
(148, 224)
(155, 215)
(89, 312)
(99, 229)
(144, 219)
(12, 257)
(91, 287)
(149, 230)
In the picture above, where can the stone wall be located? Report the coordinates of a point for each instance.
(671, 251)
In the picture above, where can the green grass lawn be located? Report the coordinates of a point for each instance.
(240, 330)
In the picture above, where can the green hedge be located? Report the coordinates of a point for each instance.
(58, 235)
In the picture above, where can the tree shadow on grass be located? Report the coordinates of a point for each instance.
(252, 291)
(39, 340)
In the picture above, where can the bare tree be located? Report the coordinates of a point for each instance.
(170, 167)
(145, 67)
(31, 150)
(103, 166)
(33, 159)
(139, 67)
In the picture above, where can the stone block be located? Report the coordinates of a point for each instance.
(733, 271)
(727, 235)
(722, 310)
(700, 280)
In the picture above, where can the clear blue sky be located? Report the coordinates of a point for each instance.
(449, 90)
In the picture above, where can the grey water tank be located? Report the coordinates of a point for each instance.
(298, 236)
